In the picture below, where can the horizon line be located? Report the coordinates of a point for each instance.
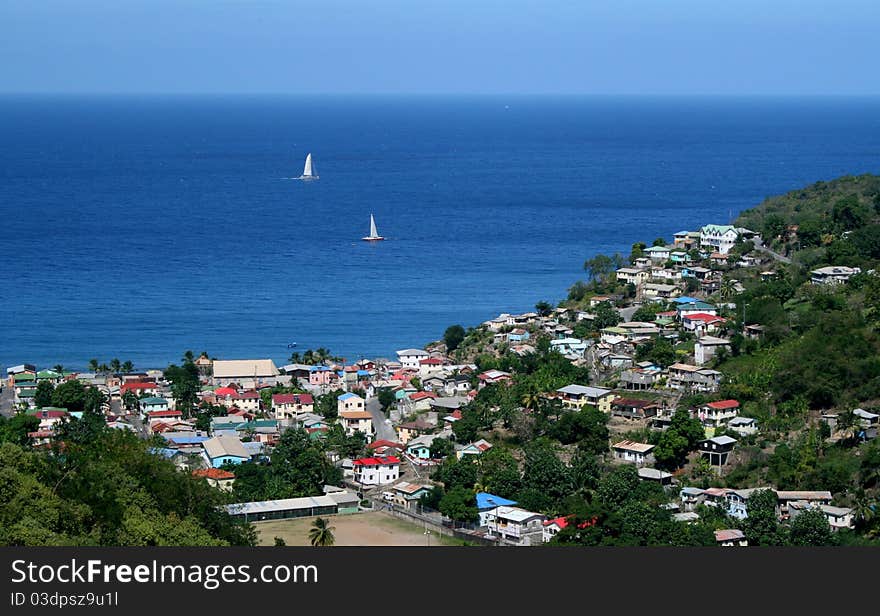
(447, 94)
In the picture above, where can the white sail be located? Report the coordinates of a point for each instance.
(307, 171)
(373, 231)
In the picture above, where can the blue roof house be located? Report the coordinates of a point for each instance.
(487, 502)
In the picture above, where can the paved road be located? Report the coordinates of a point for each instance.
(760, 246)
(627, 313)
(383, 428)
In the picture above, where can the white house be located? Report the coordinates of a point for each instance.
(833, 274)
(411, 358)
(658, 253)
(356, 421)
(631, 275)
(380, 470)
(707, 347)
(630, 451)
(718, 238)
(716, 414)
(515, 526)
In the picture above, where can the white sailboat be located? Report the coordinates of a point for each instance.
(308, 172)
(374, 233)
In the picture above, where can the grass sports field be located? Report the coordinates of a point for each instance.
(357, 529)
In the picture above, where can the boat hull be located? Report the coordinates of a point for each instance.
(306, 178)
(373, 239)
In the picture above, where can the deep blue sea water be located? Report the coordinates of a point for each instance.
(138, 228)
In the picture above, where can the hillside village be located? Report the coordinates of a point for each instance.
(665, 401)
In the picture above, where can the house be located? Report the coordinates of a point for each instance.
(707, 347)
(320, 375)
(153, 404)
(221, 450)
(493, 376)
(661, 291)
(743, 426)
(658, 253)
(457, 384)
(570, 346)
(656, 475)
(684, 309)
(292, 406)
(384, 447)
(867, 419)
(811, 497)
(515, 526)
(411, 429)
(690, 497)
(349, 402)
(139, 389)
(693, 378)
(837, 274)
(731, 537)
(410, 358)
(718, 238)
(632, 275)
(218, 478)
(163, 416)
(430, 365)
(633, 408)
(487, 502)
(473, 449)
(717, 449)
(518, 335)
(421, 400)
(575, 396)
(716, 414)
(420, 446)
(838, 517)
(630, 451)
(408, 495)
(702, 323)
(247, 401)
(247, 373)
(551, 528)
(379, 470)
(356, 421)
(639, 378)
(738, 502)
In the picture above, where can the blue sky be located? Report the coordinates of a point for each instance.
(677, 47)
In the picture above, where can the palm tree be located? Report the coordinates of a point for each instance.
(115, 365)
(728, 288)
(321, 534)
(530, 400)
(128, 366)
(104, 368)
(188, 357)
(93, 365)
(863, 508)
(58, 368)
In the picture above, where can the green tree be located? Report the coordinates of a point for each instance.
(15, 429)
(606, 316)
(184, 386)
(387, 399)
(499, 473)
(93, 365)
(321, 533)
(459, 504)
(543, 308)
(441, 447)
(127, 367)
(327, 405)
(453, 337)
(618, 486)
(810, 527)
(599, 267)
(761, 525)
(115, 365)
(43, 396)
(546, 479)
(70, 395)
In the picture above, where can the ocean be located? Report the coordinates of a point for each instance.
(140, 227)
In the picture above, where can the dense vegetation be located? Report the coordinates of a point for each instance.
(104, 487)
